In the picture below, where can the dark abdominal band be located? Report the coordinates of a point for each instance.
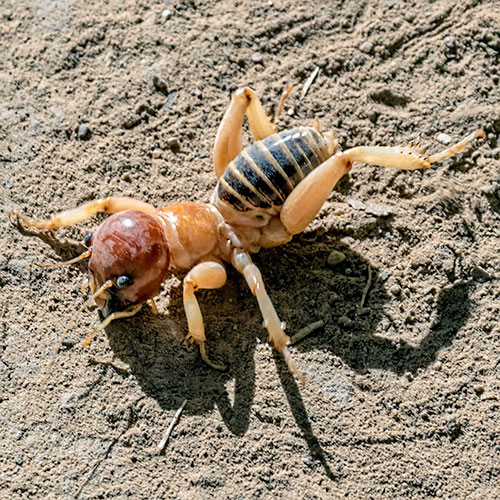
(265, 173)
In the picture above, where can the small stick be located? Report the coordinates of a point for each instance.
(310, 81)
(304, 332)
(367, 287)
(166, 436)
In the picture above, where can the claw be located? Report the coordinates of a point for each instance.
(204, 357)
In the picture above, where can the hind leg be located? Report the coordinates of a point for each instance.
(228, 140)
(306, 200)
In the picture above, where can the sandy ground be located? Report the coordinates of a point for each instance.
(125, 97)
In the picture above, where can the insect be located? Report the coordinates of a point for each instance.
(266, 193)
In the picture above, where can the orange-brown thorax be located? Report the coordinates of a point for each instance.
(192, 231)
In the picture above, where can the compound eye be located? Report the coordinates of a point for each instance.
(87, 241)
(124, 281)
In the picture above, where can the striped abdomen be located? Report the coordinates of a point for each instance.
(265, 173)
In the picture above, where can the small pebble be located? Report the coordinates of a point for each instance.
(335, 258)
(395, 289)
(131, 122)
(449, 41)
(257, 58)
(308, 460)
(290, 111)
(345, 321)
(437, 366)
(384, 275)
(173, 144)
(424, 415)
(126, 177)
(160, 85)
(373, 116)
(366, 47)
(479, 388)
(444, 139)
(67, 342)
(479, 274)
(489, 396)
(489, 188)
(166, 14)
(7, 185)
(156, 154)
(83, 133)
(66, 398)
(453, 427)
(363, 311)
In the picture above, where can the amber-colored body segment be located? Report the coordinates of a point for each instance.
(276, 191)
(192, 230)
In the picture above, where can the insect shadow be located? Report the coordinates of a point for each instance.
(304, 290)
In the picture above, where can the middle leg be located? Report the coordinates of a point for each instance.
(243, 263)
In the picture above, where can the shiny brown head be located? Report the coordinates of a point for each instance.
(130, 249)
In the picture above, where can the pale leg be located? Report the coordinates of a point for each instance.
(228, 140)
(127, 313)
(306, 200)
(203, 275)
(243, 263)
(70, 217)
(405, 157)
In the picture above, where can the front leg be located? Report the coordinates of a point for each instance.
(204, 275)
(70, 217)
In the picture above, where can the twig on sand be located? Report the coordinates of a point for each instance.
(163, 443)
(310, 81)
(307, 330)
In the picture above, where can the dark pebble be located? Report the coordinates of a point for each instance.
(453, 428)
(83, 133)
(131, 122)
(160, 85)
(69, 343)
(479, 274)
(173, 144)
